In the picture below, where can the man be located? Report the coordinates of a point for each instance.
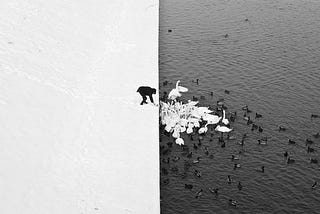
(146, 91)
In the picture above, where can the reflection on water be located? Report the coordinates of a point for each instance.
(270, 62)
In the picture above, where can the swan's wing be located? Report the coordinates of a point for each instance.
(182, 89)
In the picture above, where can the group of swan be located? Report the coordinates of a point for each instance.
(178, 117)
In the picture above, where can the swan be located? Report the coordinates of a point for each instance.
(174, 93)
(222, 129)
(211, 119)
(203, 129)
(224, 120)
(180, 141)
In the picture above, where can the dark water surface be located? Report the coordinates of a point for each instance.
(270, 63)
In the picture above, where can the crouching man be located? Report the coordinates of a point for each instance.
(146, 91)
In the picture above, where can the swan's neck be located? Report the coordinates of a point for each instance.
(177, 84)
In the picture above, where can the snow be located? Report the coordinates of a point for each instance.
(73, 137)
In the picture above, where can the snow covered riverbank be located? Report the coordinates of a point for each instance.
(73, 136)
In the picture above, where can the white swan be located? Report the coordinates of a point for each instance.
(211, 119)
(174, 93)
(203, 129)
(222, 129)
(224, 120)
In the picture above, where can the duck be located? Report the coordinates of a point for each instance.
(261, 169)
(241, 142)
(199, 193)
(226, 91)
(236, 165)
(197, 173)
(281, 128)
(232, 202)
(226, 36)
(254, 126)
(211, 156)
(197, 81)
(291, 141)
(166, 181)
(245, 108)
(223, 145)
(229, 181)
(315, 116)
(317, 135)
(285, 154)
(309, 141)
(239, 186)
(260, 129)
(188, 186)
(164, 171)
(313, 160)
(197, 160)
(249, 122)
(233, 157)
(166, 160)
(176, 158)
(314, 185)
(189, 155)
(215, 190)
(290, 160)
(258, 115)
(169, 30)
(206, 150)
(261, 142)
(199, 142)
(195, 146)
(174, 93)
(309, 149)
(231, 137)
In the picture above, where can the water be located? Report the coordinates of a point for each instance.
(270, 63)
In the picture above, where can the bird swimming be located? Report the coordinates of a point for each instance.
(314, 185)
(313, 160)
(317, 135)
(261, 169)
(258, 115)
(188, 186)
(291, 141)
(174, 93)
(236, 165)
(309, 141)
(232, 202)
(233, 157)
(229, 179)
(309, 149)
(281, 128)
(199, 193)
(290, 160)
(239, 186)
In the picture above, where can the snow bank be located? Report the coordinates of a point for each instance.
(73, 136)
